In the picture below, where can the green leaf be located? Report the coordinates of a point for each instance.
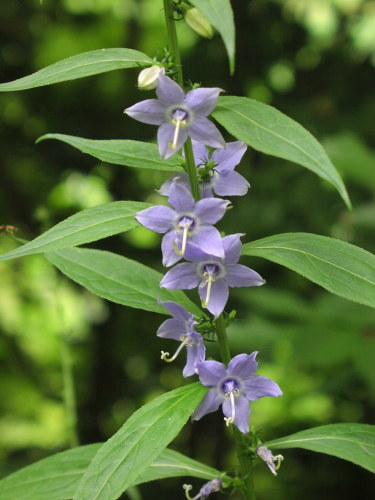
(57, 477)
(117, 279)
(123, 458)
(120, 152)
(337, 266)
(220, 14)
(79, 66)
(88, 225)
(352, 442)
(54, 478)
(266, 129)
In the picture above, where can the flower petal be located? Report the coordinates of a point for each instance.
(257, 387)
(177, 310)
(232, 248)
(208, 240)
(181, 277)
(170, 257)
(171, 329)
(211, 210)
(195, 355)
(205, 132)
(238, 275)
(169, 92)
(165, 139)
(231, 184)
(180, 198)
(203, 100)
(211, 372)
(218, 296)
(243, 365)
(242, 413)
(181, 179)
(201, 153)
(226, 159)
(210, 403)
(149, 111)
(158, 219)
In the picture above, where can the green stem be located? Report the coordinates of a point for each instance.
(69, 392)
(190, 168)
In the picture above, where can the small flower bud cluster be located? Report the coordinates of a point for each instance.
(211, 261)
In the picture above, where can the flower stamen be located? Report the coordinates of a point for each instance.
(232, 394)
(185, 224)
(164, 355)
(207, 282)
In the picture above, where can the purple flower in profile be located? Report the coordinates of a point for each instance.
(216, 172)
(212, 275)
(189, 224)
(179, 116)
(181, 327)
(206, 490)
(233, 388)
(265, 454)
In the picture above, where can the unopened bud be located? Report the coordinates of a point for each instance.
(148, 77)
(199, 23)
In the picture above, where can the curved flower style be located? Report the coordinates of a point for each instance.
(215, 172)
(189, 224)
(233, 388)
(181, 327)
(206, 490)
(179, 116)
(265, 454)
(212, 275)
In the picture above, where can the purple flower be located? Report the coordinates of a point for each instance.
(212, 275)
(181, 327)
(179, 116)
(233, 388)
(265, 454)
(206, 490)
(189, 224)
(215, 172)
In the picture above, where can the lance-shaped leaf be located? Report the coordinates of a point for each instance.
(266, 129)
(118, 279)
(91, 224)
(57, 477)
(337, 266)
(220, 14)
(352, 442)
(79, 66)
(124, 457)
(120, 152)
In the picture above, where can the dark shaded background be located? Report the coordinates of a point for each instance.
(313, 60)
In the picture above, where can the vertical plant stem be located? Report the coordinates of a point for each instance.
(175, 53)
(69, 391)
(244, 461)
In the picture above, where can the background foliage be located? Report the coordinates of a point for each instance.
(312, 59)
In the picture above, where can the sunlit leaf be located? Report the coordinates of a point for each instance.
(266, 129)
(337, 266)
(352, 442)
(117, 279)
(220, 14)
(123, 458)
(80, 66)
(57, 477)
(120, 152)
(83, 227)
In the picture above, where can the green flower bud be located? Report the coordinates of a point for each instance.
(148, 77)
(199, 23)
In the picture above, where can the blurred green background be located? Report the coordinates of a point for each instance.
(312, 59)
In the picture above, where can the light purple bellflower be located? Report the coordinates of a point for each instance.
(179, 116)
(189, 224)
(216, 172)
(265, 454)
(206, 490)
(212, 275)
(181, 327)
(233, 388)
